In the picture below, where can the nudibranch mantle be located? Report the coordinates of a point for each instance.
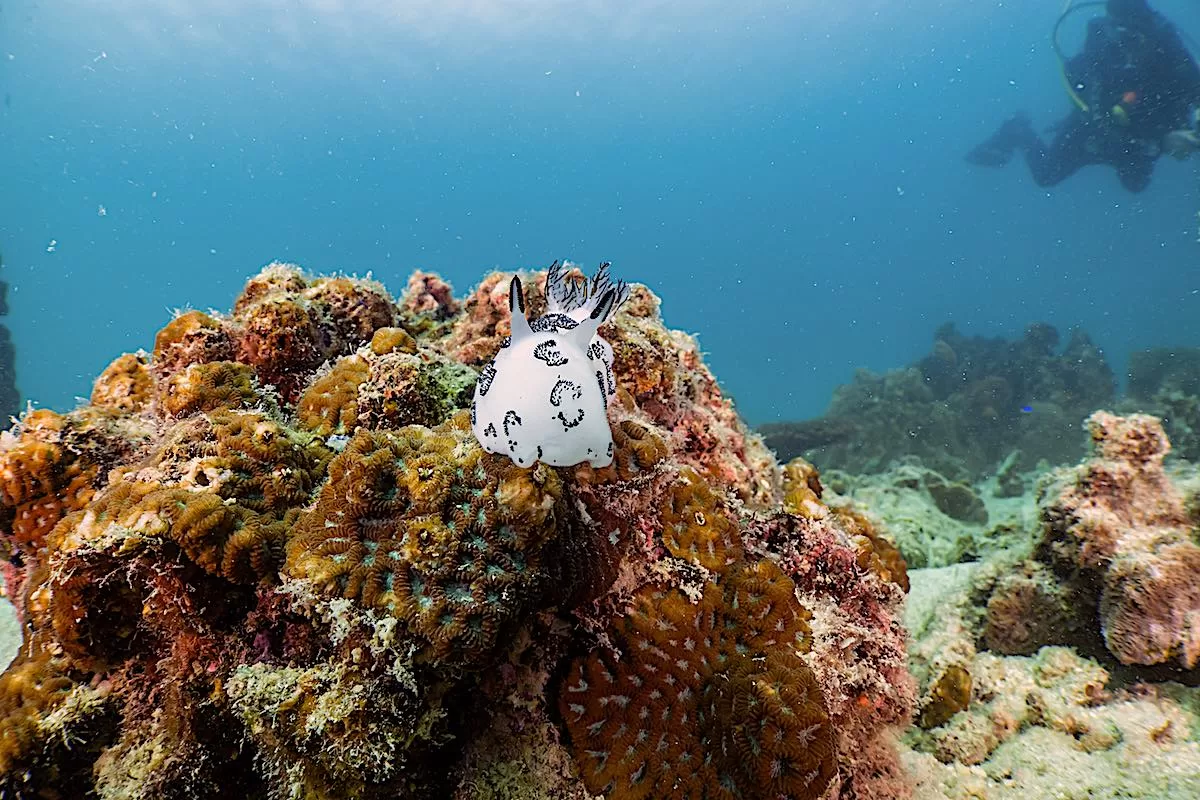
(544, 397)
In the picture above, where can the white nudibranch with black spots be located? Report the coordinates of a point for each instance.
(544, 397)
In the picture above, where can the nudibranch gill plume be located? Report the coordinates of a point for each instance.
(544, 397)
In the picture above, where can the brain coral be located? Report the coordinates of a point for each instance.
(125, 385)
(424, 526)
(272, 555)
(287, 324)
(388, 384)
(192, 337)
(704, 700)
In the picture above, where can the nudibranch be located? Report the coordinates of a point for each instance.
(544, 397)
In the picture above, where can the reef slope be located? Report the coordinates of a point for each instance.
(270, 554)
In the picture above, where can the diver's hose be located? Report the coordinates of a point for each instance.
(1068, 9)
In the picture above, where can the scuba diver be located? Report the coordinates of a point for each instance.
(1136, 91)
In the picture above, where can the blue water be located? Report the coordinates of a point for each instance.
(788, 178)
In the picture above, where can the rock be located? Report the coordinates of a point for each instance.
(956, 500)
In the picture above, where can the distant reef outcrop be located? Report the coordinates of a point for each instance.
(10, 398)
(1165, 382)
(962, 409)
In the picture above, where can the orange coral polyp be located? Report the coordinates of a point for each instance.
(392, 340)
(330, 404)
(125, 385)
(208, 387)
(30, 471)
(696, 526)
(191, 338)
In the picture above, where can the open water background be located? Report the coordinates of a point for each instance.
(787, 176)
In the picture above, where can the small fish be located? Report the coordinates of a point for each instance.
(1026, 409)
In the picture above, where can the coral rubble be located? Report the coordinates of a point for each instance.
(1066, 665)
(271, 555)
(934, 520)
(1046, 723)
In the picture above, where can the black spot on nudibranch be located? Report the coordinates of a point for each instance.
(539, 451)
(595, 350)
(610, 449)
(490, 430)
(511, 419)
(548, 352)
(563, 386)
(570, 423)
(552, 323)
(603, 391)
(474, 415)
(611, 379)
(486, 376)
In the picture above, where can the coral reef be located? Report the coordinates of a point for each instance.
(718, 687)
(1163, 368)
(1118, 532)
(961, 409)
(125, 385)
(10, 396)
(271, 554)
(1165, 382)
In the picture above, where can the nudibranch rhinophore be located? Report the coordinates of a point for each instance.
(544, 397)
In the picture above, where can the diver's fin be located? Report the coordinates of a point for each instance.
(997, 149)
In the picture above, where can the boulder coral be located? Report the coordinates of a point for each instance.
(1119, 532)
(270, 554)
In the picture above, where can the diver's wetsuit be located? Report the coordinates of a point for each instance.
(1139, 83)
